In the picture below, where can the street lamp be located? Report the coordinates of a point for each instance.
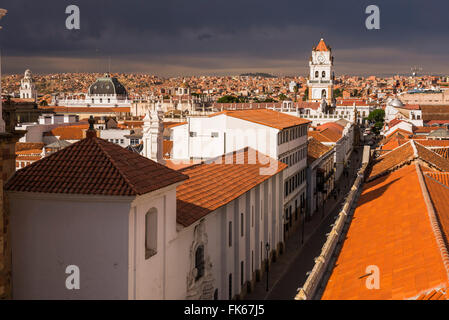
(267, 249)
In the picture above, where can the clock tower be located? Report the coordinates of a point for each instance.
(321, 77)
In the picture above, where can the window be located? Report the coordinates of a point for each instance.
(192, 134)
(241, 273)
(317, 74)
(122, 141)
(230, 286)
(199, 262)
(241, 224)
(252, 216)
(230, 233)
(214, 135)
(252, 260)
(151, 233)
(323, 75)
(116, 140)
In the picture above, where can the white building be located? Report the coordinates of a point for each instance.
(321, 76)
(135, 229)
(105, 92)
(280, 136)
(27, 87)
(395, 109)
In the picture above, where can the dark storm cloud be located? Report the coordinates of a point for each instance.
(223, 36)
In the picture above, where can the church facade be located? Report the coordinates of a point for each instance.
(105, 92)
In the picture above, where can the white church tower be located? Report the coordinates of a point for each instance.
(152, 135)
(27, 87)
(321, 77)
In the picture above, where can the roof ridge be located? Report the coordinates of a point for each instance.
(415, 151)
(122, 174)
(435, 180)
(402, 145)
(433, 220)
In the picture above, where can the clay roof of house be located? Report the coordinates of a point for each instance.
(96, 167)
(322, 46)
(404, 154)
(438, 187)
(393, 229)
(393, 143)
(392, 160)
(212, 185)
(326, 135)
(435, 294)
(266, 117)
(75, 132)
(444, 152)
(316, 149)
(434, 143)
(29, 152)
(431, 158)
(21, 146)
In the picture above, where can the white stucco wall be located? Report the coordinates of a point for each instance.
(48, 233)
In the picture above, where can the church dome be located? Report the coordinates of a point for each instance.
(396, 103)
(107, 85)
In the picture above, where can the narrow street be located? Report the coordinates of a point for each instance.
(289, 272)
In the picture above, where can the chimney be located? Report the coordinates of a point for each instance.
(91, 132)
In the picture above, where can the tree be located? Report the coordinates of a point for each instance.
(377, 117)
(282, 97)
(306, 94)
(338, 93)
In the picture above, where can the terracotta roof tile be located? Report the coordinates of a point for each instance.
(322, 46)
(212, 185)
(392, 160)
(316, 149)
(94, 166)
(266, 117)
(21, 146)
(390, 229)
(431, 157)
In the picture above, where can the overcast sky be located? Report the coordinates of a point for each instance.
(223, 37)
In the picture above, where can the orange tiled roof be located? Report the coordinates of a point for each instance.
(21, 146)
(444, 152)
(212, 185)
(96, 167)
(434, 143)
(28, 152)
(390, 229)
(321, 46)
(432, 158)
(266, 117)
(435, 294)
(392, 160)
(316, 149)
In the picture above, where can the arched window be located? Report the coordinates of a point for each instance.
(323, 93)
(199, 262)
(151, 233)
(323, 74)
(317, 74)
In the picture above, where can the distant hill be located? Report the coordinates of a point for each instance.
(258, 74)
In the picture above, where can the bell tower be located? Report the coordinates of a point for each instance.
(321, 77)
(27, 87)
